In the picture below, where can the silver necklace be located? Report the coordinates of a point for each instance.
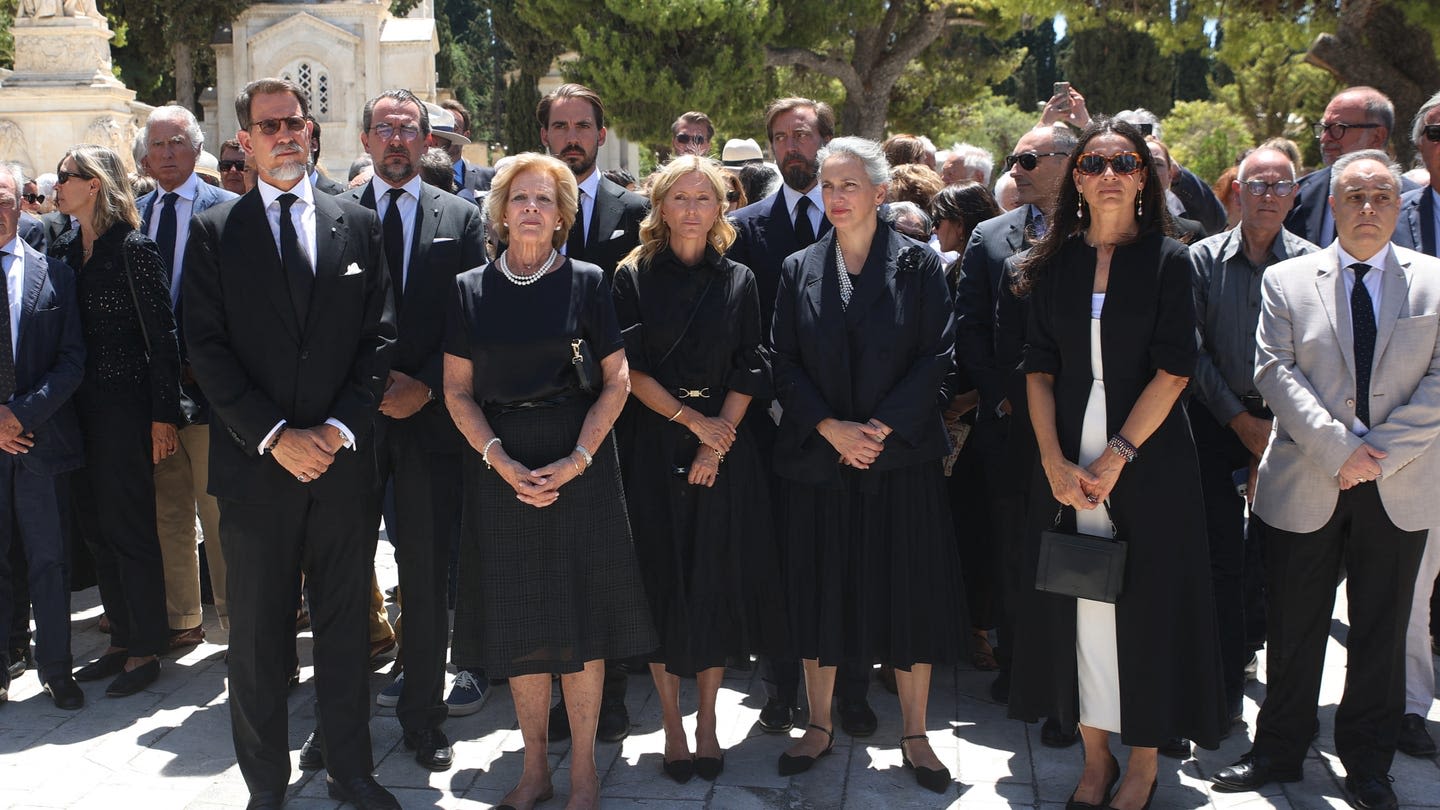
(847, 287)
(524, 281)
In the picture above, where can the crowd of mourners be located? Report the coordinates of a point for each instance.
(847, 415)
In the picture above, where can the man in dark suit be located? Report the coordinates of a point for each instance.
(572, 127)
(429, 238)
(471, 181)
(607, 227)
(767, 231)
(289, 327)
(1356, 118)
(1416, 229)
(173, 141)
(42, 360)
(318, 179)
(989, 336)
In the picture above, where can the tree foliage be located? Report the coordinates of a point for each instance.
(1206, 137)
(1118, 68)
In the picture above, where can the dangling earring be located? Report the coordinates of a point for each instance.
(1080, 207)
(1139, 207)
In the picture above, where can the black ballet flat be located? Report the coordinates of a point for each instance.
(709, 768)
(932, 779)
(791, 765)
(1148, 799)
(1072, 804)
(681, 770)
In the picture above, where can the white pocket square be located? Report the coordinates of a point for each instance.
(440, 239)
(617, 234)
(352, 270)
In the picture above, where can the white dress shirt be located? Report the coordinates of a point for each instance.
(817, 205)
(184, 207)
(408, 202)
(302, 213)
(1372, 281)
(15, 285)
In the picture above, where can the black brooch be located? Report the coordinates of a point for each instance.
(909, 259)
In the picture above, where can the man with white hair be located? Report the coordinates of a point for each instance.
(966, 161)
(173, 142)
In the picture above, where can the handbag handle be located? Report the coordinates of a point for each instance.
(1060, 513)
(135, 299)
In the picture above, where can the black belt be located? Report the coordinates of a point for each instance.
(500, 409)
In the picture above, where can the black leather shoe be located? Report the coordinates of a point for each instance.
(1367, 792)
(857, 718)
(614, 723)
(791, 765)
(1052, 736)
(432, 749)
(681, 770)
(777, 717)
(1000, 688)
(65, 692)
(106, 666)
(1414, 739)
(1175, 748)
(1252, 772)
(362, 791)
(312, 758)
(559, 722)
(266, 800)
(20, 660)
(129, 682)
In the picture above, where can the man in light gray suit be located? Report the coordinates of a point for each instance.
(1348, 358)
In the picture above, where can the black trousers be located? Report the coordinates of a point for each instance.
(1380, 562)
(19, 598)
(1220, 453)
(267, 545)
(426, 488)
(115, 505)
(32, 520)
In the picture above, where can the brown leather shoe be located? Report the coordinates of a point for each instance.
(379, 648)
(180, 639)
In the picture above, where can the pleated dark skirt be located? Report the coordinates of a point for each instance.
(872, 571)
(545, 590)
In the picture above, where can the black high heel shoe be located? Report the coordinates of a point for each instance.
(1148, 799)
(709, 768)
(1104, 802)
(933, 779)
(791, 765)
(681, 770)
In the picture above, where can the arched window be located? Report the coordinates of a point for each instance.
(314, 79)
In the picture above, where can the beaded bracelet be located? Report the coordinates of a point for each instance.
(485, 453)
(1122, 447)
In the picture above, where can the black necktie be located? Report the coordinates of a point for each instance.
(299, 273)
(575, 246)
(165, 234)
(1362, 319)
(395, 242)
(7, 346)
(804, 229)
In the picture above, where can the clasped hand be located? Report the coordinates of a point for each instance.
(858, 444)
(13, 438)
(712, 430)
(308, 453)
(1363, 465)
(404, 396)
(539, 487)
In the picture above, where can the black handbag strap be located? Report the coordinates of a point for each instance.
(134, 298)
(1060, 513)
(686, 329)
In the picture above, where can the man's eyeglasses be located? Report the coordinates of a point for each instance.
(270, 126)
(231, 166)
(685, 139)
(1094, 163)
(62, 177)
(1336, 129)
(1432, 133)
(1257, 188)
(385, 132)
(33, 199)
(1029, 160)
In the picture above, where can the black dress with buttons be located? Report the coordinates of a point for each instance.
(132, 378)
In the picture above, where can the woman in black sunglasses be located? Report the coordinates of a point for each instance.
(129, 407)
(1110, 347)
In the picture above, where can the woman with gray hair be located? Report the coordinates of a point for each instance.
(128, 404)
(862, 341)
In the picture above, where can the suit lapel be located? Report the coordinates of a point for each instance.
(1317, 214)
(147, 205)
(37, 270)
(427, 223)
(604, 216)
(1330, 283)
(1394, 291)
(330, 237)
(1426, 227)
(259, 239)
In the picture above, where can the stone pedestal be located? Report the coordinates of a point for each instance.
(62, 92)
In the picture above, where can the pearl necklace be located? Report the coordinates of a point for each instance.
(524, 281)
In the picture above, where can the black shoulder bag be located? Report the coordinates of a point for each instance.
(1080, 565)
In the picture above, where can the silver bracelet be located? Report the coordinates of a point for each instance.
(485, 453)
(585, 454)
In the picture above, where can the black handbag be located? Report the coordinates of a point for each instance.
(586, 369)
(1080, 565)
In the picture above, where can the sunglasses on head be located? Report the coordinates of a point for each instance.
(1432, 133)
(231, 166)
(1094, 163)
(62, 177)
(33, 199)
(270, 126)
(1029, 160)
(685, 139)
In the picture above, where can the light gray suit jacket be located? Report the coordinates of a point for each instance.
(1304, 367)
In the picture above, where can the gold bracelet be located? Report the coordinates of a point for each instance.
(677, 413)
(719, 456)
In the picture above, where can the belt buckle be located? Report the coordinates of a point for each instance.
(694, 393)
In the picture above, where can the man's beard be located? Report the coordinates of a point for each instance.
(587, 161)
(288, 170)
(799, 177)
(395, 172)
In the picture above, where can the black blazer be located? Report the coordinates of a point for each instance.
(329, 186)
(764, 237)
(614, 226)
(477, 179)
(905, 342)
(49, 365)
(33, 233)
(977, 297)
(256, 363)
(1415, 229)
(447, 241)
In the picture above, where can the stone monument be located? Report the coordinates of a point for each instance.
(63, 90)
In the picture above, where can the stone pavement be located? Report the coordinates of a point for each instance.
(169, 747)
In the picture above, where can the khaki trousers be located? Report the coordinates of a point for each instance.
(180, 494)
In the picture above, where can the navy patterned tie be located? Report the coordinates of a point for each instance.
(1362, 319)
(7, 347)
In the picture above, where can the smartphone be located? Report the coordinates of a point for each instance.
(1061, 89)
